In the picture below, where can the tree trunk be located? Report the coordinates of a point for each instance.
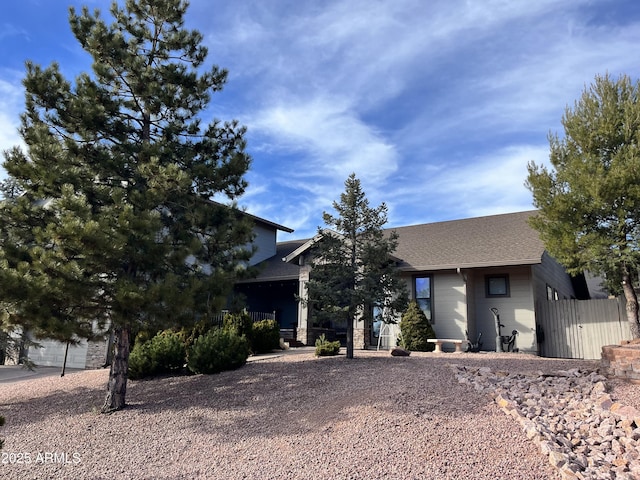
(117, 386)
(632, 305)
(350, 337)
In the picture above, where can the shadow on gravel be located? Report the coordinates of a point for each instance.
(52, 407)
(297, 396)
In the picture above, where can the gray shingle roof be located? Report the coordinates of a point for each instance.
(274, 268)
(496, 240)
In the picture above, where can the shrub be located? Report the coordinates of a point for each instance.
(162, 354)
(217, 350)
(415, 329)
(140, 362)
(326, 348)
(240, 323)
(266, 336)
(189, 334)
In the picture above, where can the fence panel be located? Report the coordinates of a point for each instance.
(580, 328)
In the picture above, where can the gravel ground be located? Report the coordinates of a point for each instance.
(290, 417)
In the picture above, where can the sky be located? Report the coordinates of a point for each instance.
(437, 106)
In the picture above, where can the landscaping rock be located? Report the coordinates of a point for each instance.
(399, 352)
(570, 417)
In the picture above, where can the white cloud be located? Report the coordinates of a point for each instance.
(11, 98)
(330, 138)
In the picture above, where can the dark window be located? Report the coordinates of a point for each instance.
(497, 285)
(422, 290)
(549, 292)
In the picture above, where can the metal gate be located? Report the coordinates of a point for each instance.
(580, 328)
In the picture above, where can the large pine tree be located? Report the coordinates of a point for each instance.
(354, 269)
(589, 200)
(116, 225)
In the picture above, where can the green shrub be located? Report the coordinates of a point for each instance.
(325, 348)
(140, 362)
(164, 353)
(240, 323)
(415, 329)
(189, 334)
(266, 336)
(217, 350)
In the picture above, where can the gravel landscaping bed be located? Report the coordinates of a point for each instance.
(287, 417)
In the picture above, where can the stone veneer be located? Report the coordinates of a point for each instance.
(622, 361)
(359, 339)
(301, 336)
(96, 354)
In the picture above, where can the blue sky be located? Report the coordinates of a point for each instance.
(437, 106)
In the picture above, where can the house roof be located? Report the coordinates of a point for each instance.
(496, 240)
(307, 244)
(490, 241)
(269, 223)
(274, 268)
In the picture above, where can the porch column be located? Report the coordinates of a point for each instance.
(303, 311)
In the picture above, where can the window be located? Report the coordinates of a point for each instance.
(422, 291)
(497, 285)
(549, 292)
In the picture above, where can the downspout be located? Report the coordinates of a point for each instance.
(463, 276)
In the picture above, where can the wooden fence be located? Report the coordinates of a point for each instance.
(580, 328)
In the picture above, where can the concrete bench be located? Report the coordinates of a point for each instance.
(440, 341)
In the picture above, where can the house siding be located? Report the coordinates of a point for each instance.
(449, 306)
(516, 311)
(551, 273)
(265, 243)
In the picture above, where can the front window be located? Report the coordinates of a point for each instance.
(422, 290)
(497, 285)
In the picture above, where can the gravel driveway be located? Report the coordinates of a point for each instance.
(290, 417)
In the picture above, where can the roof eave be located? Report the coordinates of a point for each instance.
(508, 263)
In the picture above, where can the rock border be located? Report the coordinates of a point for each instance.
(570, 417)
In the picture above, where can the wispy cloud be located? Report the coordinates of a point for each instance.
(436, 106)
(11, 97)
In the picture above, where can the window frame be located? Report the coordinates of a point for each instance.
(430, 316)
(495, 276)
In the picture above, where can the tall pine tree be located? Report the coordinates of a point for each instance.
(589, 200)
(116, 225)
(354, 270)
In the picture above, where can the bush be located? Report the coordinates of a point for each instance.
(416, 329)
(162, 354)
(188, 335)
(217, 350)
(326, 348)
(140, 363)
(239, 323)
(266, 336)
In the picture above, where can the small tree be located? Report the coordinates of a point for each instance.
(354, 270)
(115, 223)
(415, 330)
(589, 202)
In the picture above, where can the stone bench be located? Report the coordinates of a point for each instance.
(440, 341)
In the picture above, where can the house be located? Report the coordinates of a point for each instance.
(457, 271)
(95, 354)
